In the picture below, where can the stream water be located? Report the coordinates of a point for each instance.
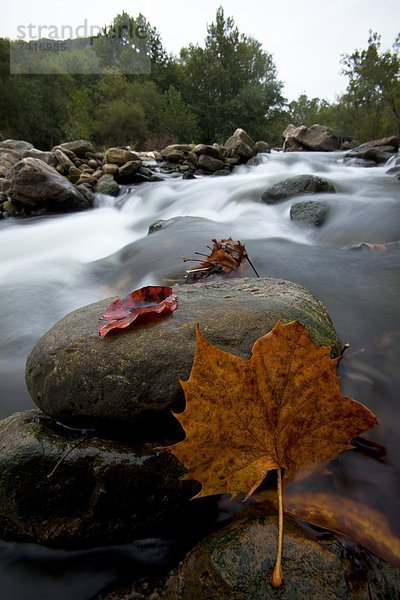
(52, 265)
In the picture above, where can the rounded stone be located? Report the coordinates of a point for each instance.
(309, 212)
(74, 375)
(299, 185)
(62, 489)
(237, 563)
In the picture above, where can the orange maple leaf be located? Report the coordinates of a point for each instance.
(281, 409)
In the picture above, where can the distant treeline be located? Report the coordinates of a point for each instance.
(122, 87)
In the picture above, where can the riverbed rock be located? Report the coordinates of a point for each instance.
(262, 147)
(299, 185)
(102, 491)
(392, 140)
(33, 185)
(107, 185)
(236, 563)
(377, 155)
(205, 161)
(75, 376)
(310, 212)
(63, 159)
(213, 151)
(119, 156)
(17, 145)
(46, 157)
(240, 145)
(78, 147)
(316, 138)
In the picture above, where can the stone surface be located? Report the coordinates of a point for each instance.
(46, 157)
(63, 159)
(262, 147)
(119, 156)
(240, 145)
(103, 491)
(32, 185)
(17, 145)
(107, 185)
(130, 168)
(392, 140)
(299, 185)
(208, 150)
(210, 163)
(236, 564)
(309, 213)
(78, 147)
(374, 154)
(75, 376)
(317, 138)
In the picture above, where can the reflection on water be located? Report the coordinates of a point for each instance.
(51, 266)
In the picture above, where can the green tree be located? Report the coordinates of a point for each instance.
(305, 110)
(228, 80)
(177, 120)
(374, 84)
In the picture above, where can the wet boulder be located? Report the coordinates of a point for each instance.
(75, 376)
(107, 185)
(300, 185)
(33, 185)
(310, 212)
(62, 489)
(237, 563)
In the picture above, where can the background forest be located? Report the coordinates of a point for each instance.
(203, 94)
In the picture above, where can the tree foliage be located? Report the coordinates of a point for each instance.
(231, 82)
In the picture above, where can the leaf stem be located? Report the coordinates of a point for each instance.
(251, 264)
(277, 576)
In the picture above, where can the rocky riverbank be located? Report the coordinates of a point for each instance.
(68, 177)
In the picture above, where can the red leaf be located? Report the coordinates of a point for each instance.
(150, 299)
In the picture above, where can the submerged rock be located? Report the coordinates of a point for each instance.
(300, 185)
(310, 213)
(237, 562)
(61, 489)
(75, 376)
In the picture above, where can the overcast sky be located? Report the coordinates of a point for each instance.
(305, 37)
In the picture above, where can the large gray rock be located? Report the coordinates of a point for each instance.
(309, 212)
(236, 564)
(377, 155)
(60, 489)
(392, 140)
(17, 145)
(73, 375)
(46, 157)
(300, 185)
(78, 147)
(119, 156)
(210, 163)
(240, 145)
(32, 185)
(317, 138)
(107, 185)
